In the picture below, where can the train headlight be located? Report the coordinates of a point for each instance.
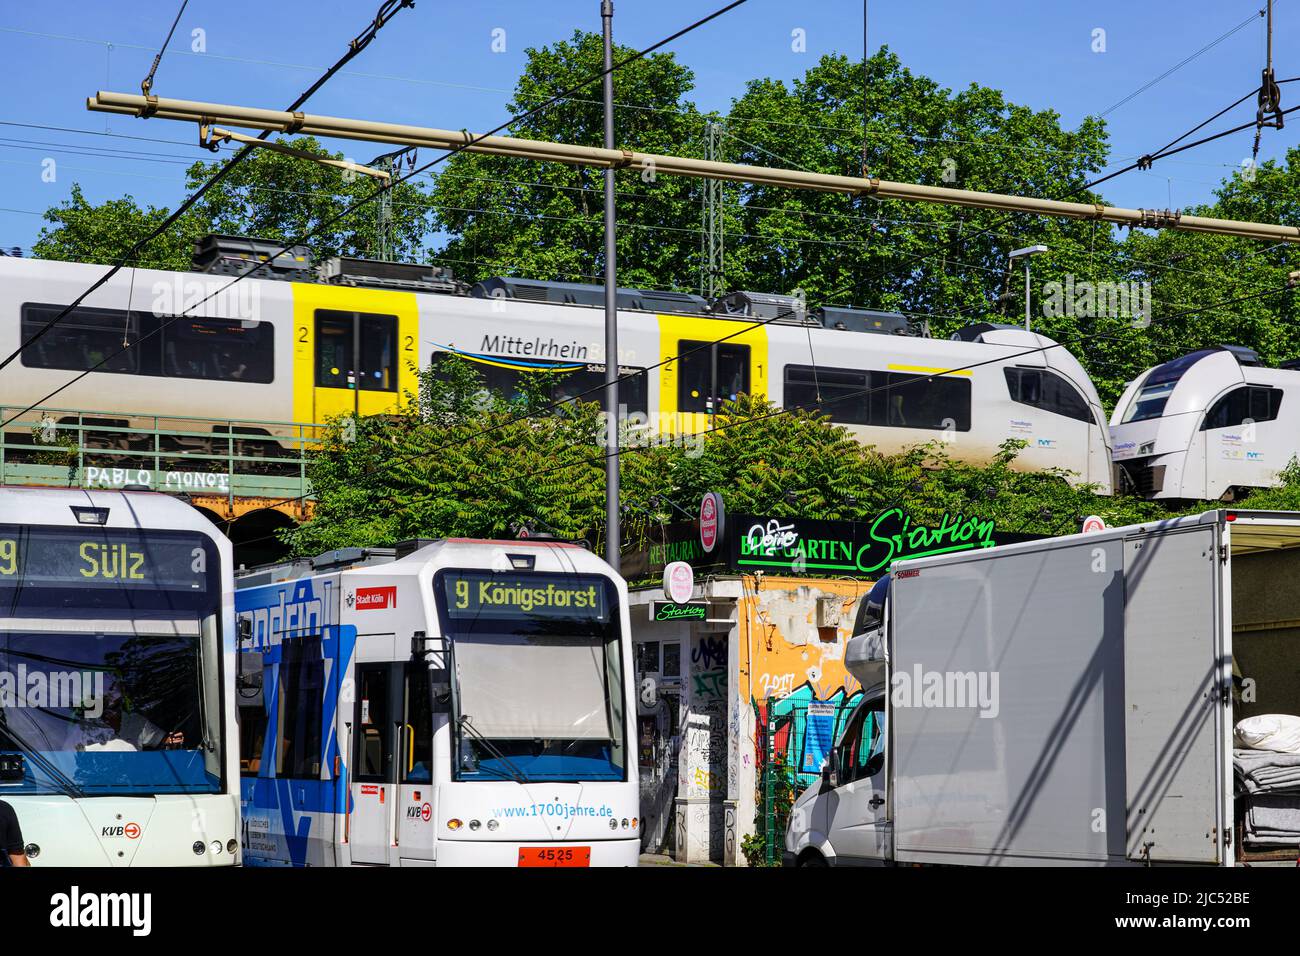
(198, 848)
(232, 844)
(474, 824)
(493, 824)
(454, 824)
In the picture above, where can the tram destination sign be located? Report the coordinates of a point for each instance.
(474, 594)
(42, 557)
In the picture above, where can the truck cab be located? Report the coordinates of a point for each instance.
(844, 819)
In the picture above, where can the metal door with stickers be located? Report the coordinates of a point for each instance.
(373, 792)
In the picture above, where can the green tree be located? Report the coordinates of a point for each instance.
(80, 232)
(546, 220)
(889, 254)
(270, 195)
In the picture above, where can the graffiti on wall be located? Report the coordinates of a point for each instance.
(797, 666)
(704, 739)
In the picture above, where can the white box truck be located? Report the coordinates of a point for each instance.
(1064, 701)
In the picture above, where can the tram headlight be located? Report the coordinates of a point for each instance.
(613, 824)
(625, 823)
(232, 844)
(474, 824)
(32, 851)
(634, 823)
(216, 847)
(493, 824)
(198, 848)
(454, 824)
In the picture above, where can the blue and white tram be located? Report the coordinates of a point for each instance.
(449, 703)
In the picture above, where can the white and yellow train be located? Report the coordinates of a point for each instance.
(277, 349)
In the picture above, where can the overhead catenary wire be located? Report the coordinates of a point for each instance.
(147, 83)
(387, 11)
(633, 57)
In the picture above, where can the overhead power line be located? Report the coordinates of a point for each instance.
(387, 11)
(351, 208)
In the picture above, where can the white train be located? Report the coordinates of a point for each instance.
(1208, 425)
(347, 340)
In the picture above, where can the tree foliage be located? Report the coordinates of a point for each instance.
(270, 195)
(463, 462)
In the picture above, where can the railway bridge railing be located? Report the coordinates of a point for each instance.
(229, 467)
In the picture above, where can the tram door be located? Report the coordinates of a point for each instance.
(375, 743)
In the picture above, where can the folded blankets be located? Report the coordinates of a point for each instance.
(1272, 783)
(1264, 771)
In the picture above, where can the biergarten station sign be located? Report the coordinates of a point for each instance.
(795, 546)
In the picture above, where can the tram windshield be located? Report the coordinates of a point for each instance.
(539, 685)
(109, 662)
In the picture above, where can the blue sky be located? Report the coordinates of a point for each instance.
(434, 65)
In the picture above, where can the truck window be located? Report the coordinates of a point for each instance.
(862, 747)
(871, 613)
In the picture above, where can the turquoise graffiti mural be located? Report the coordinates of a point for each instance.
(803, 741)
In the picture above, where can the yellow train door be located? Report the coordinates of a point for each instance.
(699, 373)
(354, 351)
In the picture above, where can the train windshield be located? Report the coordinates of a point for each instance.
(109, 662)
(1159, 385)
(538, 672)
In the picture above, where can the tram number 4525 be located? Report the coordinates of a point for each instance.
(555, 856)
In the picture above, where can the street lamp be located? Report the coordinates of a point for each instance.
(1025, 254)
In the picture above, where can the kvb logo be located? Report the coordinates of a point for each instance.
(420, 812)
(131, 831)
(375, 599)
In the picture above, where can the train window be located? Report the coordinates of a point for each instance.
(82, 340)
(335, 350)
(1150, 402)
(1159, 385)
(908, 400)
(302, 685)
(566, 381)
(219, 350)
(378, 353)
(1045, 389)
(841, 393)
(586, 382)
(710, 375)
(1248, 403)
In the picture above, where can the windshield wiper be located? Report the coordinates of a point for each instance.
(60, 779)
(515, 772)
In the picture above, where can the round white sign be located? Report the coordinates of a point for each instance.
(1093, 523)
(679, 582)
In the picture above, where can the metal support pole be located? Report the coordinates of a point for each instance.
(1026, 293)
(613, 543)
